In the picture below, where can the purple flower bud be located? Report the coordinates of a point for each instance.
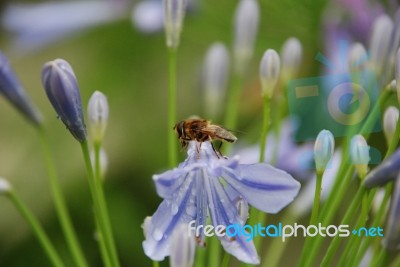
(61, 87)
(385, 172)
(11, 88)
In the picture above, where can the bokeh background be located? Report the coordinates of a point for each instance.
(129, 65)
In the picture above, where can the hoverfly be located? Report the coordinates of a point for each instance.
(201, 130)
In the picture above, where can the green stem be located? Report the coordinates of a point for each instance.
(382, 260)
(257, 216)
(317, 197)
(59, 203)
(172, 149)
(265, 127)
(225, 260)
(37, 230)
(214, 258)
(100, 207)
(233, 102)
(376, 222)
(97, 171)
(346, 220)
(312, 246)
(348, 257)
(200, 257)
(156, 264)
(277, 246)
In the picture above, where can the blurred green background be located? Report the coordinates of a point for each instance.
(130, 67)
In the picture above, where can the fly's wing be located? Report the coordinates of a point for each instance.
(218, 132)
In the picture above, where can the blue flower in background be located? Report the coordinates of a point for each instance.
(205, 184)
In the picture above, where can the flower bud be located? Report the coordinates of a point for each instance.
(359, 153)
(13, 91)
(61, 87)
(5, 186)
(358, 58)
(323, 149)
(390, 119)
(215, 74)
(174, 13)
(380, 42)
(291, 55)
(183, 247)
(392, 86)
(98, 115)
(245, 27)
(269, 72)
(391, 240)
(385, 172)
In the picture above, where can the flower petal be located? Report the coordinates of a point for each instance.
(263, 186)
(224, 212)
(168, 216)
(168, 182)
(385, 172)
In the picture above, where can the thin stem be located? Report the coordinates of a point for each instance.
(59, 203)
(156, 264)
(346, 220)
(257, 216)
(172, 144)
(200, 257)
(317, 197)
(233, 102)
(382, 260)
(312, 246)
(347, 258)
(277, 246)
(225, 260)
(376, 222)
(100, 207)
(37, 230)
(214, 257)
(97, 171)
(265, 127)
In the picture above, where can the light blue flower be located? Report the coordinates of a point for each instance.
(205, 184)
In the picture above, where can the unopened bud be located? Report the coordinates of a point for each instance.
(174, 13)
(358, 58)
(323, 149)
(62, 89)
(245, 27)
(5, 186)
(215, 73)
(390, 119)
(291, 55)
(380, 42)
(359, 153)
(269, 72)
(98, 115)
